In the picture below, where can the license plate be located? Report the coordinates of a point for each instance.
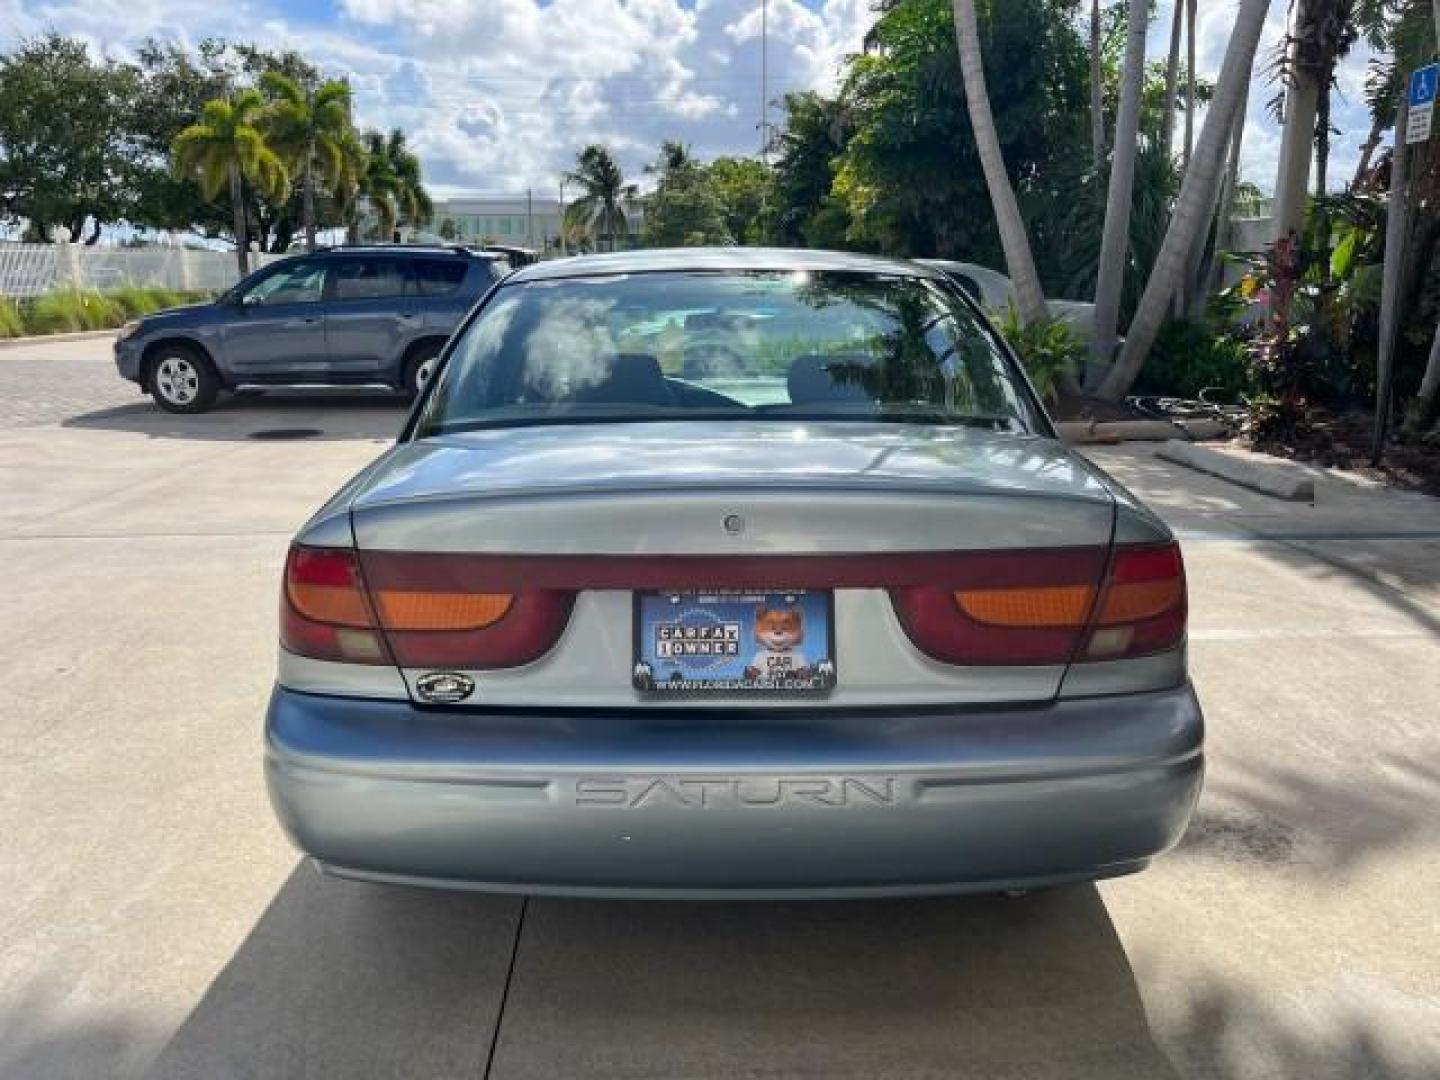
(734, 642)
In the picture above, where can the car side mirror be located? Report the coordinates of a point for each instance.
(249, 300)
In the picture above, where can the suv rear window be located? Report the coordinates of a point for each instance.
(368, 279)
(436, 277)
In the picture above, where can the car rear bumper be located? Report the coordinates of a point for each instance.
(669, 803)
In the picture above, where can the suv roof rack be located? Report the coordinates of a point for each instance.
(380, 245)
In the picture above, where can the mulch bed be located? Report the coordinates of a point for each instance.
(1342, 441)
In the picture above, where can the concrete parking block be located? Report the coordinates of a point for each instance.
(1277, 479)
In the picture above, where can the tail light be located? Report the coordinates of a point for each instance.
(324, 612)
(1143, 607)
(411, 610)
(1052, 607)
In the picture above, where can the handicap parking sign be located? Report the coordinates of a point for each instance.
(1423, 83)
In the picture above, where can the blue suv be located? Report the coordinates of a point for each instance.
(335, 317)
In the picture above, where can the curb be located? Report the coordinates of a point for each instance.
(1280, 480)
(41, 339)
(1081, 432)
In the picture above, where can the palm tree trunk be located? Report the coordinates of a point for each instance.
(1189, 80)
(1196, 195)
(1367, 151)
(1172, 75)
(1115, 241)
(1209, 277)
(1097, 92)
(1029, 296)
(308, 202)
(237, 204)
(1322, 137)
(1302, 98)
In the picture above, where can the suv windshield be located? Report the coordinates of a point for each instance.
(787, 345)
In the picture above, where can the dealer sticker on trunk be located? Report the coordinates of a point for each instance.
(734, 642)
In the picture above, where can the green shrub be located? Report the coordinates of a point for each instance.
(71, 309)
(1048, 348)
(11, 325)
(1189, 357)
(137, 300)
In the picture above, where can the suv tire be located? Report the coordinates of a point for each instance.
(420, 367)
(181, 380)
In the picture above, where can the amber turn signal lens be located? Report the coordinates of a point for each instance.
(413, 610)
(1050, 605)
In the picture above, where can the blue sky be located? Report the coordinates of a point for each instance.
(498, 94)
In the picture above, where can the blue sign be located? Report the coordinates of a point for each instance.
(1423, 82)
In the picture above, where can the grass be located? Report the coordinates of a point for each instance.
(71, 309)
(11, 325)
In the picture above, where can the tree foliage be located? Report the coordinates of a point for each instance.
(68, 151)
(86, 141)
(599, 210)
(685, 209)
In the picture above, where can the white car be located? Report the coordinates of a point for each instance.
(995, 292)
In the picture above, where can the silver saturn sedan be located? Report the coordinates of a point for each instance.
(732, 573)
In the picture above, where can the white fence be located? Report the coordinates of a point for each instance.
(32, 269)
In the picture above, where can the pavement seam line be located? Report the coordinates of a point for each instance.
(505, 990)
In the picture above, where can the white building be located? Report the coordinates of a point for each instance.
(531, 221)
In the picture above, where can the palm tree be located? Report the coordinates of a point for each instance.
(1197, 198)
(1115, 240)
(226, 147)
(1209, 265)
(1172, 75)
(599, 209)
(308, 128)
(1189, 80)
(1300, 77)
(1029, 296)
(411, 198)
(390, 180)
(378, 183)
(674, 157)
(1335, 34)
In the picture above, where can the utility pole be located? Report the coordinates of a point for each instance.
(765, 81)
(560, 222)
(529, 220)
(1390, 275)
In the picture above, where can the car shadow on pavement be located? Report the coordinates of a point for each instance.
(344, 979)
(1326, 824)
(312, 414)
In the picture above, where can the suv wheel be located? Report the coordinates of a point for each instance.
(182, 381)
(420, 368)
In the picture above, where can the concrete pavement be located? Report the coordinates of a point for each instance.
(153, 920)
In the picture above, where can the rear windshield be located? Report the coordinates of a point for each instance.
(666, 346)
(436, 277)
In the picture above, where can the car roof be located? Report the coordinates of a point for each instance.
(426, 250)
(717, 258)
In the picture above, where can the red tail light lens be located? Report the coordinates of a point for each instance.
(324, 612)
(1143, 608)
(1050, 607)
(416, 610)
(1022, 607)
